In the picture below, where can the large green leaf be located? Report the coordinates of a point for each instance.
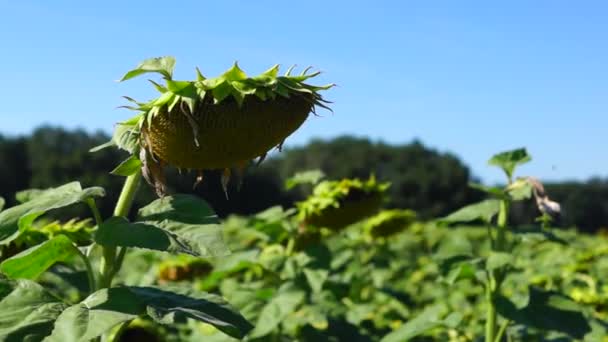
(32, 262)
(118, 232)
(547, 311)
(27, 311)
(498, 260)
(285, 302)
(20, 217)
(2, 203)
(431, 318)
(97, 314)
(175, 224)
(483, 210)
(109, 307)
(509, 160)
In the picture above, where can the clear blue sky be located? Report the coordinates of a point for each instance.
(469, 77)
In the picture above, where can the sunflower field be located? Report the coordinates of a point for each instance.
(338, 266)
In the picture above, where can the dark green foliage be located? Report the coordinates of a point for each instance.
(432, 183)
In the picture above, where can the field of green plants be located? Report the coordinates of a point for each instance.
(336, 267)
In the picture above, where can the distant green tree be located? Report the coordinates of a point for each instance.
(14, 169)
(430, 182)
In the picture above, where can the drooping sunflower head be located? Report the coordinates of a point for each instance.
(389, 222)
(213, 123)
(337, 204)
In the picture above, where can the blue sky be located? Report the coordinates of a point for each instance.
(468, 77)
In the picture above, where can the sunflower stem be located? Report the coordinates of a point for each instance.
(109, 265)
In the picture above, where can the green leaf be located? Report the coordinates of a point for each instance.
(498, 260)
(454, 245)
(537, 234)
(161, 65)
(464, 270)
(549, 311)
(20, 217)
(107, 308)
(95, 315)
(316, 278)
(520, 190)
(2, 203)
(483, 210)
(494, 191)
(280, 306)
(126, 136)
(234, 74)
(128, 167)
(272, 72)
(27, 195)
(118, 232)
(178, 209)
(27, 311)
(222, 91)
(430, 318)
(305, 177)
(509, 160)
(175, 224)
(32, 262)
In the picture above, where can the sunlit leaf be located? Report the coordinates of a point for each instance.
(20, 217)
(509, 160)
(161, 65)
(484, 210)
(128, 167)
(32, 262)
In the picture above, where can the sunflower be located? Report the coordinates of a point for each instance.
(389, 222)
(212, 123)
(337, 204)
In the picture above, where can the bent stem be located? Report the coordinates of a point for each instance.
(109, 264)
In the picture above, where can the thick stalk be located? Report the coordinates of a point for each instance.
(495, 277)
(108, 262)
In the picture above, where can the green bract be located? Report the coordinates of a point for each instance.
(336, 204)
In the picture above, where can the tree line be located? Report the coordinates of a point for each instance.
(423, 179)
